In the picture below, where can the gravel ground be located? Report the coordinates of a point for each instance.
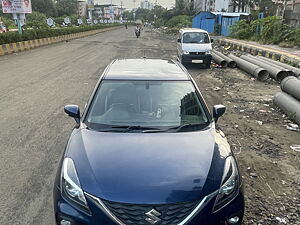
(35, 85)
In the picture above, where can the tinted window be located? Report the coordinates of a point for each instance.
(145, 103)
(195, 37)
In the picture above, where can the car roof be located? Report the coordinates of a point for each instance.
(184, 30)
(145, 69)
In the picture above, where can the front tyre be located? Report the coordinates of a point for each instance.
(207, 65)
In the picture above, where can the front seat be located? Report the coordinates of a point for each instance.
(122, 103)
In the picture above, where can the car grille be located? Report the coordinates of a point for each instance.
(170, 214)
(197, 53)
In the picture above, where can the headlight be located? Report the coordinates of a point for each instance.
(208, 52)
(186, 52)
(230, 184)
(70, 185)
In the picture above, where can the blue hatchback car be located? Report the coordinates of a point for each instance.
(146, 151)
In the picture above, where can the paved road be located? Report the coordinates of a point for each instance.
(34, 87)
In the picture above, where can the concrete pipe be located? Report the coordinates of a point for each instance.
(256, 71)
(219, 60)
(290, 73)
(291, 85)
(294, 69)
(274, 72)
(230, 63)
(289, 105)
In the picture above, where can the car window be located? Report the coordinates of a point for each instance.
(195, 37)
(145, 103)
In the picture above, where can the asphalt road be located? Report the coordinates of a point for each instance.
(34, 87)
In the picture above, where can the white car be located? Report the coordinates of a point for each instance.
(194, 46)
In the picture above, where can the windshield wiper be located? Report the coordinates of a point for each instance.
(186, 125)
(176, 128)
(124, 128)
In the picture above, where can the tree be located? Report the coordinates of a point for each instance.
(268, 7)
(36, 20)
(66, 7)
(44, 6)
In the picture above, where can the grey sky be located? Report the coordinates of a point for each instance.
(129, 3)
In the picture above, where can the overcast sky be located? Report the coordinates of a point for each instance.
(129, 3)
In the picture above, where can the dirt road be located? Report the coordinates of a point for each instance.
(35, 85)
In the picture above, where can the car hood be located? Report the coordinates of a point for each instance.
(147, 168)
(196, 47)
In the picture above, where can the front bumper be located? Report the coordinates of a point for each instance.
(65, 210)
(189, 58)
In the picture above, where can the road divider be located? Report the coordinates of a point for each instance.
(6, 49)
(275, 54)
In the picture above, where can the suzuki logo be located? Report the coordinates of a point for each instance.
(153, 216)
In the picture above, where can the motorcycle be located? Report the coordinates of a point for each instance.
(137, 33)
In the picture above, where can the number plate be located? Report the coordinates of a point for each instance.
(197, 61)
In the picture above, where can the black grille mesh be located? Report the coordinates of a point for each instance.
(171, 214)
(197, 53)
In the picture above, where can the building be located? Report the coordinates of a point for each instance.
(200, 5)
(291, 13)
(211, 5)
(81, 8)
(219, 6)
(145, 4)
(217, 22)
(108, 11)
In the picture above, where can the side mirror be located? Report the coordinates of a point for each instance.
(178, 40)
(73, 111)
(211, 40)
(218, 111)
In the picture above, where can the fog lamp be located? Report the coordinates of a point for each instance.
(65, 222)
(233, 220)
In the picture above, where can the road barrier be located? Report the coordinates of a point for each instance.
(6, 49)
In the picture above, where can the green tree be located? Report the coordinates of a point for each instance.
(183, 7)
(179, 21)
(44, 6)
(66, 7)
(268, 7)
(36, 20)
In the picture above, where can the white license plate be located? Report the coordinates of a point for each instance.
(197, 61)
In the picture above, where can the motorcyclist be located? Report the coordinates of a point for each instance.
(137, 31)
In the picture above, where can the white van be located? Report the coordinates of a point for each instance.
(194, 46)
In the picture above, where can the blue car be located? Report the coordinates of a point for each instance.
(146, 151)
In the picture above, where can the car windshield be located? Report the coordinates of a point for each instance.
(151, 104)
(195, 37)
